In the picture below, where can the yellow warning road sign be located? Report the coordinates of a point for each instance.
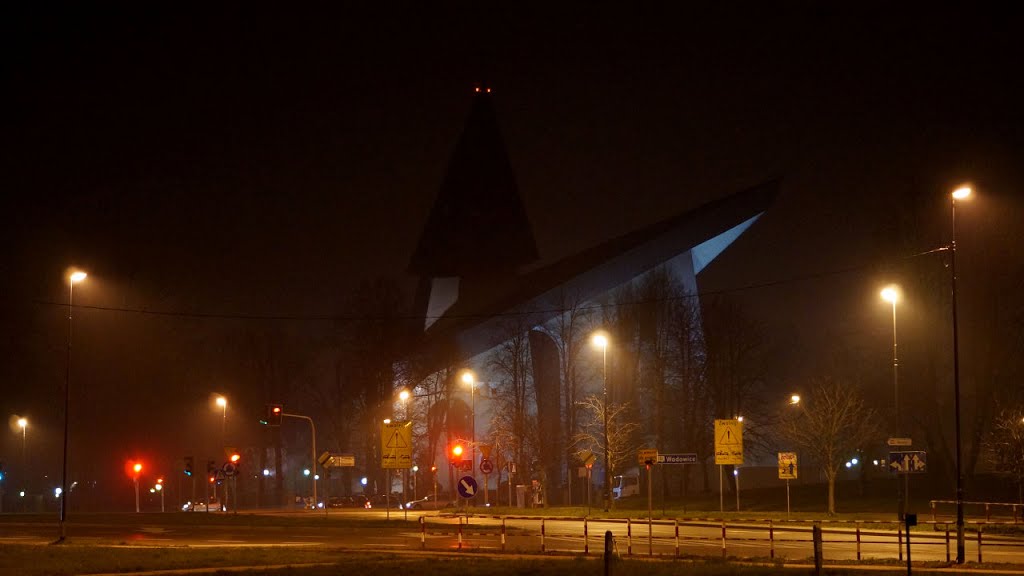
(728, 442)
(787, 466)
(396, 445)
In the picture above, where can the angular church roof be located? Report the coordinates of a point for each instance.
(478, 225)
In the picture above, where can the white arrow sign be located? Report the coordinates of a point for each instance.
(468, 488)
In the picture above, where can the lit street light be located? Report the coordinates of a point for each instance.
(23, 424)
(76, 276)
(222, 402)
(600, 340)
(468, 377)
(892, 294)
(960, 193)
(137, 468)
(794, 399)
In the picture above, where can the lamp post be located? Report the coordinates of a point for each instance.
(312, 428)
(959, 194)
(137, 469)
(468, 377)
(76, 276)
(222, 402)
(23, 423)
(891, 294)
(600, 340)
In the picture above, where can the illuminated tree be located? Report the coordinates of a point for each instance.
(1004, 447)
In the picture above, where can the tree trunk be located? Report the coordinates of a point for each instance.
(831, 495)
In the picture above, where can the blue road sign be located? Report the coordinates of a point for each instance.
(486, 466)
(467, 486)
(908, 462)
(677, 458)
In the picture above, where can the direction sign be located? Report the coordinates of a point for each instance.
(324, 458)
(677, 458)
(647, 455)
(340, 461)
(485, 449)
(467, 486)
(396, 445)
(787, 466)
(899, 442)
(486, 466)
(728, 442)
(588, 458)
(908, 462)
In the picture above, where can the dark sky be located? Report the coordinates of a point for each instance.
(245, 160)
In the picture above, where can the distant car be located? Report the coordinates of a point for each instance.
(215, 506)
(427, 503)
(339, 502)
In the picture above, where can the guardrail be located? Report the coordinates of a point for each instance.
(1016, 510)
(856, 532)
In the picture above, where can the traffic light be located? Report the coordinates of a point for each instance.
(1, 471)
(188, 465)
(137, 469)
(274, 414)
(211, 467)
(457, 450)
(235, 458)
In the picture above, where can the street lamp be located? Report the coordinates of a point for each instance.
(468, 377)
(891, 294)
(794, 399)
(222, 402)
(76, 276)
(600, 340)
(137, 468)
(23, 423)
(961, 193)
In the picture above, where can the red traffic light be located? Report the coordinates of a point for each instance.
(235, 458)
(213, 479)
(276, 409)
(457, 450)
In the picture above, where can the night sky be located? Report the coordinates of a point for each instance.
(238, 161)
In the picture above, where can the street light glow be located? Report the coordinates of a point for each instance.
(403, 395)
(962, 192)
(77, 276)
(794, 399)
(305, 472)
(890, 294)
(222, 402)
(22, 422)
(137, 468)
(599, 340)
(468, 377)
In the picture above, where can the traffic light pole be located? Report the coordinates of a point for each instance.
(313, 453)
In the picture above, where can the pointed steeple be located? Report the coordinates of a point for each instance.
(477, 226)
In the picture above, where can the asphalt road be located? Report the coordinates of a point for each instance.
(344, 528)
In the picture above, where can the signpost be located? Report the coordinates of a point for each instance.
(788, 470)
(907, 463)
(677, 458)
(486, 466)
(396, 452)
(467, 487)
(728, 450)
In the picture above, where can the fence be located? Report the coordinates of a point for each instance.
(857, 533)
(1016, 510)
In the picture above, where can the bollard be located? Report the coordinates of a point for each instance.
(910, 520)
(586, 539)
(723, 539)
(423, 533)
(947, 543)
(979, 544)
(676, 523)
(988, 513)
(933, 510)
(629, 537)
(608, 553)
(858, 540)
(771, 540)
(542, 535)
(899, 540)
(460, 533)
(816, 537)
(502, 533)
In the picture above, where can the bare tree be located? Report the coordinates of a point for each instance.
(1004, 447)
(622, 432)
(513, 394)
(832, 422)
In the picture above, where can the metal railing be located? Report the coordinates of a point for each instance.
(858, 533)
(1016, 510)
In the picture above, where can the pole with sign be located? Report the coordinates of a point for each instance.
(787, 471)
(728, 450)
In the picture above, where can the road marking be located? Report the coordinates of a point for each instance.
(227, 541)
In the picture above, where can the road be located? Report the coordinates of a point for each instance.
(365, 529)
